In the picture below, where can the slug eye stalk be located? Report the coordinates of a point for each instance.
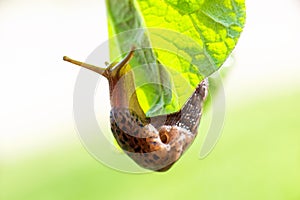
(107, 72)
(94, 68)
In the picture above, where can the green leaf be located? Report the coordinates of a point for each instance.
(180, 43)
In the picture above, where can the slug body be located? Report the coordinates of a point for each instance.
(157, 143)
(154, 143)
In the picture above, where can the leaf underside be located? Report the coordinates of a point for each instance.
(181, 42)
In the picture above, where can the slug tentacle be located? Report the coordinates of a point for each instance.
(111, 71)
(93, 68)
(117, 67)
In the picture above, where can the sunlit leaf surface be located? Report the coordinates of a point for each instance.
(181, 41)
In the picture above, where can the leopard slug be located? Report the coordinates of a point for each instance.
(154, 143)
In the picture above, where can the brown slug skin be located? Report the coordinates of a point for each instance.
(154, 143)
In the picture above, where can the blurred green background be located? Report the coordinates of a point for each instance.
(257, 156)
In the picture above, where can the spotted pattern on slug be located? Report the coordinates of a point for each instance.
(157, 143)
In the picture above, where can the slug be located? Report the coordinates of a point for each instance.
(154, 143)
